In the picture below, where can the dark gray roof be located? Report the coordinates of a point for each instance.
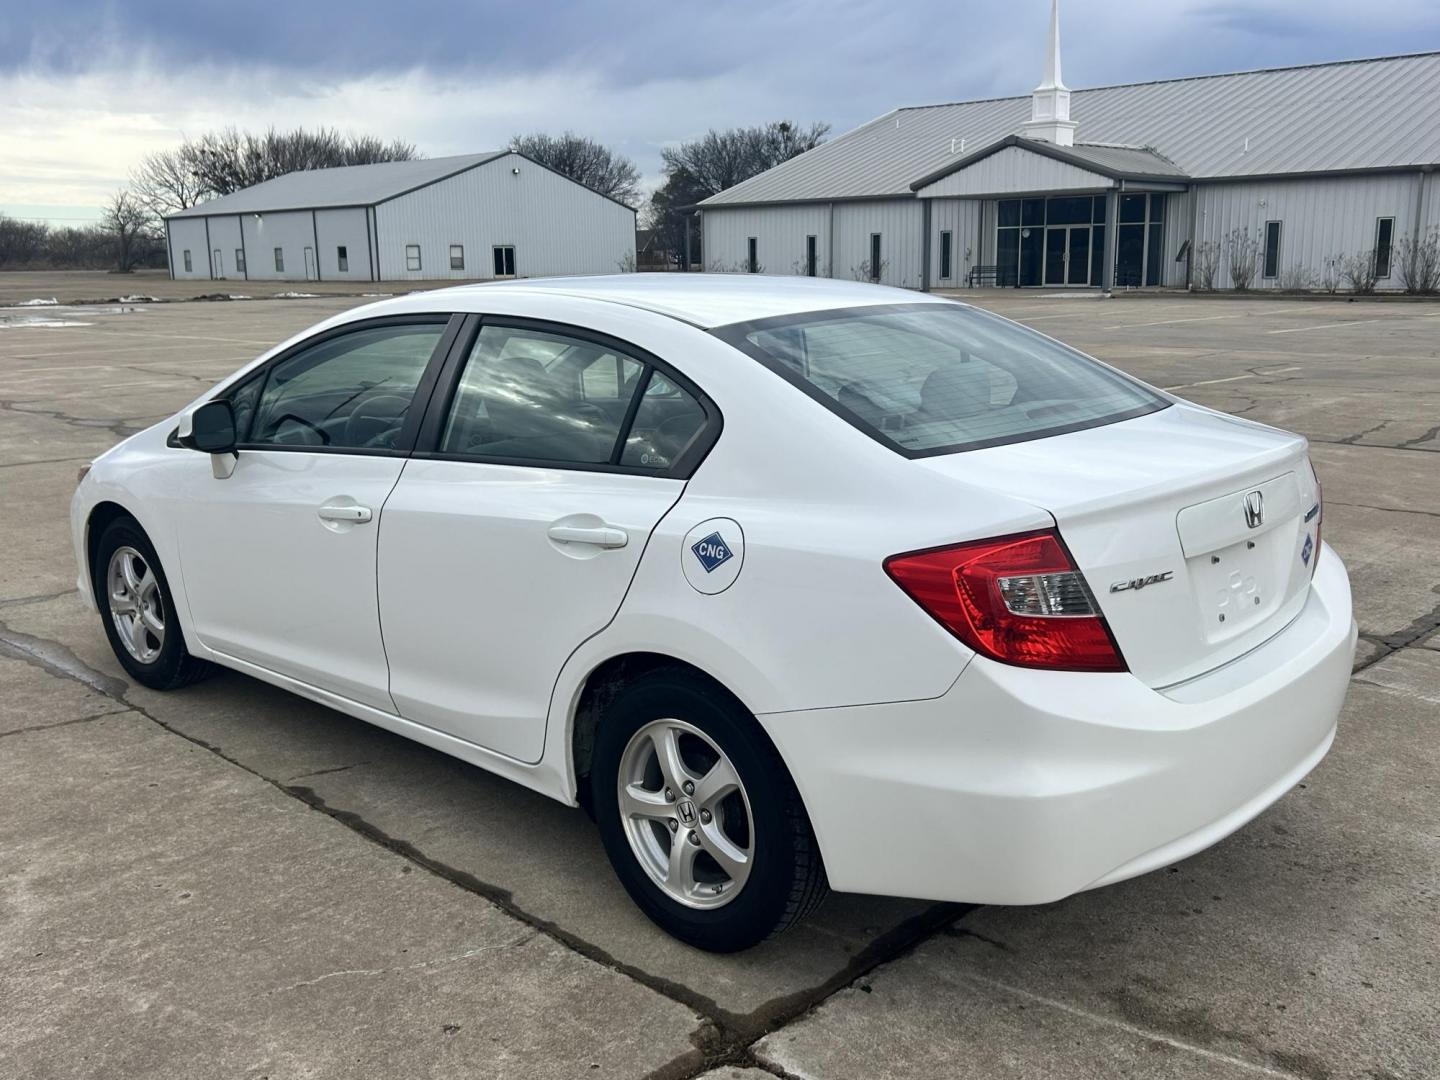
(1358, 114)
(349, 185)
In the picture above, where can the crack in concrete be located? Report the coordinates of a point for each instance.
(1383, 509)
(723, 1035)
(523, 939)
(1350, 440)
(327, 772)
(1429, 436)
(58, 723)
(117, 426)
(39, 598)
(1389, 644)
(1375, 446)
(45, 461)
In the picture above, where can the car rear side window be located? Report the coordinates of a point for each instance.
(940, 378)
(352, 391)
(535, 396)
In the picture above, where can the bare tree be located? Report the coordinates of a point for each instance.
(1207, 265)
(1297, 278)
(226, 161)
(1358, 270)
(718, 160)
(585, 161)
(1419, 263)
(128, 224)
(1242, 250)
(168, 181)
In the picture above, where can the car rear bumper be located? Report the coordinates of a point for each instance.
(1022, 787)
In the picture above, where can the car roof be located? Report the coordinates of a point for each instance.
(703, 300)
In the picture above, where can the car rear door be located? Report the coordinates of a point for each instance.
(278, 558)
(548, 456)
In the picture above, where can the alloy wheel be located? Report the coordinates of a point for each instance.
(137, 606)
(686, 814)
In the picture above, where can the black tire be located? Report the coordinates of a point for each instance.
(173, 667)
(787, 878)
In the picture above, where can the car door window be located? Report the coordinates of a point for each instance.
(667, 422)
(352, 391)
(529, 395)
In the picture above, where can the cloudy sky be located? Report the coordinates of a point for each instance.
(87, 87)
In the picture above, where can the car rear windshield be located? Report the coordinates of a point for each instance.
(940, 378)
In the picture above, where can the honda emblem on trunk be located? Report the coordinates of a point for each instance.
(1254, 509)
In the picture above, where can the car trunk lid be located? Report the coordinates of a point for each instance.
(1194, 530)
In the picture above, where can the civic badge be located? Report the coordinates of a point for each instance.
(1254, 509)
(1307, 550)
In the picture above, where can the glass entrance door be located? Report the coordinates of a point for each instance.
(1067, 255)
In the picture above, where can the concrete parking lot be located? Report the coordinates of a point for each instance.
(229, 881)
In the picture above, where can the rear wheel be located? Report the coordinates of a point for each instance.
(699, 816)
(135, 604)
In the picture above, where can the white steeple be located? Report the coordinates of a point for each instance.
(1050, 101)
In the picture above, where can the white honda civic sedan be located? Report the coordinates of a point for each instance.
(794, 584)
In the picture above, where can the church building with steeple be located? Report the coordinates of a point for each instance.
(1268, 179)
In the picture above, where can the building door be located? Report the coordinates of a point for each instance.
(309, 264)
(217, 265)
(1067, 255)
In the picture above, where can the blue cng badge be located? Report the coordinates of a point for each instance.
(712, 555)
(1307, 550)
(712, 552)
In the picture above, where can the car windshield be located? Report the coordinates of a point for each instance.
(940, 378)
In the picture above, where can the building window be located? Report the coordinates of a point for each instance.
(504, 260)
(1272, 249)
(279, 260)
(240, 260)
(752, 256)
(811, 260)
(946, 240)
(189, 268)
(875, 256)
(412, 256)
(1384, 245)
(342, 258)
(457, 256)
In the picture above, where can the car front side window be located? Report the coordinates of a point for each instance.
(352, 391)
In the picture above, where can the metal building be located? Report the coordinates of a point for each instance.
(477, 216)
(1297, 172)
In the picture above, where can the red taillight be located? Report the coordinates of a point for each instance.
(1017, 599)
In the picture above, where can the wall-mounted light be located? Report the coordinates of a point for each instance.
(515, 171)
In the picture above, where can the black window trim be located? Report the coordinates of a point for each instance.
(1389, 251)
(423, 389)
(442, 396)
(1265, 250)
(734, 335)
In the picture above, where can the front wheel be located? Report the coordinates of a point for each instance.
(135, 603)
(699, 816)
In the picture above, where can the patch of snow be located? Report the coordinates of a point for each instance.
(139, 300)
(236, 296)
(296, 295)
(38, 302)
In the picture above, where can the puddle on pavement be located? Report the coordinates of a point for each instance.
(31, 316)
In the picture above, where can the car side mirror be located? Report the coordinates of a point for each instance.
(212, 431)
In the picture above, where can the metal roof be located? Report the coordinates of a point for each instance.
(349, 185)
(1356, 114)
(1130, 162)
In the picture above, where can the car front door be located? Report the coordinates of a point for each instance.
(547, 458)
(278, 558)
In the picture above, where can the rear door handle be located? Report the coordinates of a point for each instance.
(355, 515)
(603, 536)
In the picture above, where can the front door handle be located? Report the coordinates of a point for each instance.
(603, 536)
(354, 515)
